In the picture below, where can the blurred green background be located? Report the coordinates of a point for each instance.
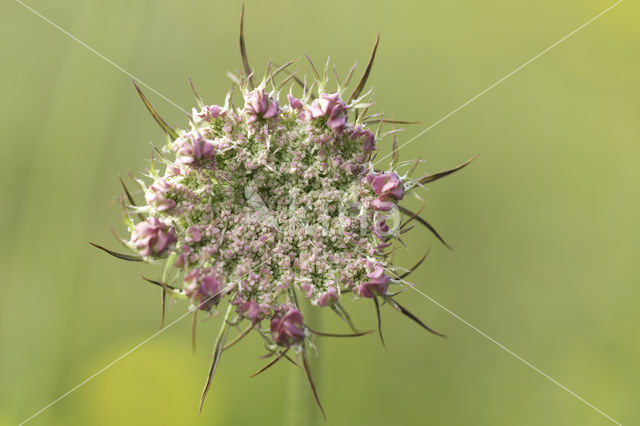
(544, 223)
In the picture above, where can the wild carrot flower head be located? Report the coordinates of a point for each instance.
(259, 203)
(270, 201)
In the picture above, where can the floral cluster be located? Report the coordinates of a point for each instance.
(265, 201)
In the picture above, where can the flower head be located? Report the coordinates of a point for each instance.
(271, 203)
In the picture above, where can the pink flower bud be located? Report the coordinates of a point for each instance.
(380, 229)
(388, 187)
(387, 184)
(258, 104)
(192, 147)
(369, 138)
(288, 329)
(183, 255)
(172, 170)
(329, 297)
(377, 284)
(332, 107)
(382, 205)
(203, 288)
(156, 195)
(152, 237)
(251, 310)
(208, 113)
(295, 102)
(194, 235)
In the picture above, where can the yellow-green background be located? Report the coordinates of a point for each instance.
(544, 223)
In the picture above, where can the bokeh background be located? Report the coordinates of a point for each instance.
(544, 223)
